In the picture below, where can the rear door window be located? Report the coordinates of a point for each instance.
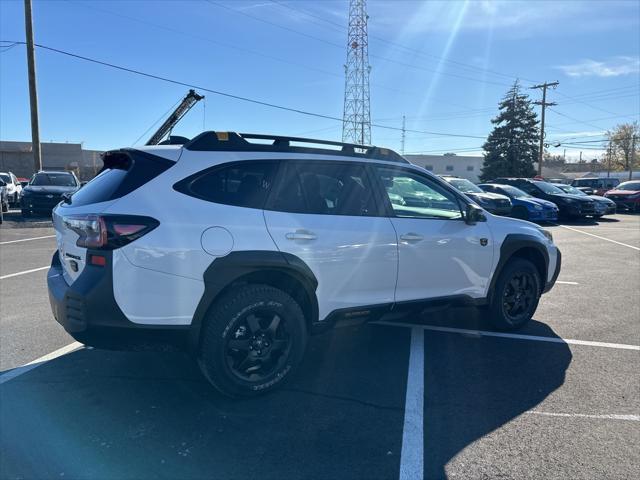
(242, 184)
(324, 188)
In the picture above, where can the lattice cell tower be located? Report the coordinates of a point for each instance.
(356, 118)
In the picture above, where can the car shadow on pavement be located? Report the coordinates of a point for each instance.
(476, 384)
(96, 414)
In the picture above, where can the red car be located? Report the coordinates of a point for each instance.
(626, 195)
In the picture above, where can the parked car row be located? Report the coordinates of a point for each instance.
(542, 201)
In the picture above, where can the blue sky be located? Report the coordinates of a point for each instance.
(445, 65)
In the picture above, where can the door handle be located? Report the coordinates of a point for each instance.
(300, 235)
(411, 237)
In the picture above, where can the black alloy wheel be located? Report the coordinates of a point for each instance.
(259, 346)
(253, 339)
(516, 295)
(520, 295)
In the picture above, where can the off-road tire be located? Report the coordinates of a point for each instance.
(230, 315)
(498, 312)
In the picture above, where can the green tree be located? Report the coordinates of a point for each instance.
(512, 147)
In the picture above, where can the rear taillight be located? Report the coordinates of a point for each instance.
(108, 232)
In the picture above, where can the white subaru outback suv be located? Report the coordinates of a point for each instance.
(238, 246)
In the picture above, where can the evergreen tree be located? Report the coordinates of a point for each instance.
(512, 147)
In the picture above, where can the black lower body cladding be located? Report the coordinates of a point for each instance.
(89, 312)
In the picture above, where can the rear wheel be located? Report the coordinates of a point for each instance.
(253, 339)
(516, 295)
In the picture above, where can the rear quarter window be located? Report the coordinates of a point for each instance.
(122, 173)
(241, 184)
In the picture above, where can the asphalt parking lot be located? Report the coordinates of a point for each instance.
(438, 396)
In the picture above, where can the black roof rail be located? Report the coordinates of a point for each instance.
(232, 141)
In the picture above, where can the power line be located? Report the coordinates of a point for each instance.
(237, 97)
(386, 59)
(243, 49)
(403, 47)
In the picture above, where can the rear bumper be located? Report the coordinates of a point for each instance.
(88, 311)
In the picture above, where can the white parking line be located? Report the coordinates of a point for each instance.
(23, 273)
(632, 418)
(598, 236)
(515, 336)
(567, 283)
(26, 239)
(16, 372)
(412, 454)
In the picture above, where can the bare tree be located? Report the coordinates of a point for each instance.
(624, 141)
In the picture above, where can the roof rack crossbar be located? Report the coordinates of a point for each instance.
(230, 141)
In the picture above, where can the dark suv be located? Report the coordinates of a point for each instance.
(45, 190)
(569, 206)
(595, 186)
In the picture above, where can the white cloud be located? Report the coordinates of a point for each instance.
(614, 67)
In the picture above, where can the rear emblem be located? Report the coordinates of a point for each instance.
(483, 242)
(49, 196)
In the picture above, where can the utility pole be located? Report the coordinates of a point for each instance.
(33, 92)
(404, 132)
(544, 104)
(609, 161)
(580, 161)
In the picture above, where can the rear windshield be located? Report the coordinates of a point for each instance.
(122, 173)
(55, 179)
(5, 178)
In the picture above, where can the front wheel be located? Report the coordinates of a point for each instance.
(516, 295)
(252, 340)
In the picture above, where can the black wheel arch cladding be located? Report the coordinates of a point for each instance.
(523, 246)
(255, 266)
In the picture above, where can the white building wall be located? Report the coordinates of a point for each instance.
(460, 166)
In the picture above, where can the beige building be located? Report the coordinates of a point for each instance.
(17, 157)
(460, 166)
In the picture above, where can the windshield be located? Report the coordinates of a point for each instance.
(572, 190)
(464, 185)
(548, 188)
(55, 179)
(629, 186)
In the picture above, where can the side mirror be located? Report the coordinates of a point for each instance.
(474, 214)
